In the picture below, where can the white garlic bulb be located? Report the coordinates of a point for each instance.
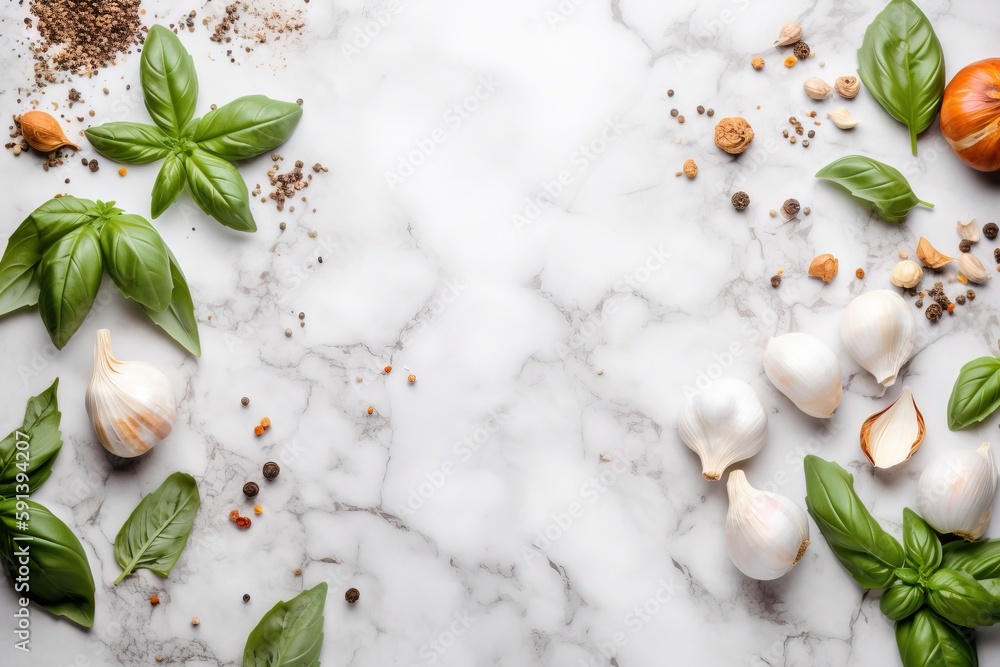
(805, 370)
(766, 533)
(893, 435)
(131, 404)
(956, 490)
(879, 333)
(723, 424)
(906, 274)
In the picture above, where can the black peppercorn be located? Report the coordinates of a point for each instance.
(741, 200)
(965, 245)
(710, 112)
(933, 312)
(990, 230)
(775, 281)
(271, 470)
(701, 109)
(246, 597)
(670, 93)
(250, 489)
(960, 299)
(996, 255)
(970, 295)
(801, 50)
(245, 401)
(674, 112)
(919, 303)
(352, 595)
(790, 208)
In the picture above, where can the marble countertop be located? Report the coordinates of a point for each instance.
(502, 219)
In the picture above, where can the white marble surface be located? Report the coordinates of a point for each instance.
(449, 507)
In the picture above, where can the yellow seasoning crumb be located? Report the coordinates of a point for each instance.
(790, 61)
(962, 279)
(757, 62)
(258, 509)
(123, 171)
(780, 271)
(772, 213)
(195, 621)
(411, 378)
(265, 422)
(903, 254)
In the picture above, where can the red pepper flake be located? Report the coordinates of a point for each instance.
(243, 522)
(951, 309)
(154, 600)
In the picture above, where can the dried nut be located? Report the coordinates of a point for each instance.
(824, 267)
(972, 268)
(733, 135)
(842, 118)
(930, 256)
(790, 33)
(906, 274)
(847, 86)
(690, 168)
(757, 62)
(817, 88)
(790, 209)
(968, 229)
(42, 132)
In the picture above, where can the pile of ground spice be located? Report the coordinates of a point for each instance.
(284, 186)
(81, 36)
(260, 23)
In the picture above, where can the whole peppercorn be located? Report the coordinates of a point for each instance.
(250, 489)
(245, 401)
(680, 119)
(710, 113)
(970, 295)
(195, 621)
(670, 92)
(246, 597)
(996, 255)
(740, 200)
(933, 312)
(371, 410)
(271, 470)
(919, 303)
(387, 369)
(811, 133)
(801, 50)
(775, 281)
(965, 245)
(960, 299)
(701, 109)
(674, 112)
(790, 208)
(990, 230)
(352, 595)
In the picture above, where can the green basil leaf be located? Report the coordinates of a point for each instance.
(976, 394)
(875, 182)
(57, 217)
(923, 548)
(168, 185)
(869, 553)
(19, 284)
(71, 272)
(132, 143)
(902, 65)
(247, 126)
(980, 559)
(177, 319)
(169, 81)
(219, 190)
(137, 260)
(27, 454)
(907, 575)
(959, 598)
(901, 600)
(924, 640)
(156, 532)
(290, 634)
(58, 573)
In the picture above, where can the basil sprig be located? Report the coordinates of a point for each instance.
(58, 574)
(290, 634)
(197, 154)
(57, 257)
(875, 182)
(976, 394)
(902, 65)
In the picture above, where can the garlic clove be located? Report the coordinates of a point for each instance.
(930, 255)
(817, 88)
(806, 370)
(723, 423)
(131, 404)
(893, 435)
(970, 267)
(43, 132)
(955, 492)
(906, 274)
(842, 118)
(968, 229)
(879, 333)
(766, 533)
(790, 33)
(847, 87)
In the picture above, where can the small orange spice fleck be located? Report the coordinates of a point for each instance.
(951, 308)
(154, 600)
(790, 61)
(757, 62)
(258, 430)
(860, 273)
(258, 509)
(371, 410)
(388, 369)
(411, 378)
(234, 515)
(265, 422)
(123, 171)
(962, 279)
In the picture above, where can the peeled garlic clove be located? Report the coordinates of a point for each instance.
(790, 33)
(43, 132)
(131, 404)
(906, 274)
(968, 229)
(970, 267)
(879, 333)
(805, 370)
(847, 87)
(955, 492)
(930, 256)
(893, 435)
(817, 88)
(766, 533)
(723, 424)
(842, 118)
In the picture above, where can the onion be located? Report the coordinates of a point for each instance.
(970, 114)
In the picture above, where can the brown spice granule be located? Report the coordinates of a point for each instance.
(990, 230)
(286, 185)
(996, 255)
(740, 200)
(801, 50)
(970, 295)
(860, 273)
(93, 165)
(933, 312)
(960, 299)
(919, 303)
(775, 281)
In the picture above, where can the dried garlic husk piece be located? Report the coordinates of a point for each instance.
(968, 229)
(930, 256)
(43, 132)
(847, 86)
(824, 267)
(842, 118)
(817, 88)
(970, 267)
(790, 33)
(906, 274)
(893, 435)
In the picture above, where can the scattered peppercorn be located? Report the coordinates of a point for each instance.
(680, 119)
(246, 597)
(772, 213)
(805, 143)
(352, 595)
(790, 208)
(811, 133)
(710, 113)
(154, 600)
(801, 50)
(806, 210)
(298, 571)
(411, 378)
(965, 245)
(93, 165)
(282, 226)
(674, 112)
(933, 312)
(990, 230)
(970, 295)
(302, 316)
(271, 470)
(860, 273)
(158, 658)
(258, 430)
(265, 422)
(919, 303)
(996, 255)
(387, 369)
(245, 401)
(234, 515)
(670, 92)
(258, 509)
(250, 489)
(775, 281)
(960, 299)
(741, 200)
(288, 333)
(701, 109)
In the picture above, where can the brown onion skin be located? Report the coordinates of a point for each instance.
(972, 105)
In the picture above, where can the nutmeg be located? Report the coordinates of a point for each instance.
(733, 135)
(824, 267)
(42, 132)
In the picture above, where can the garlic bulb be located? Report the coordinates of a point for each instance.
(817, 88)
(766, 533)
(970, 267)
(906, 273)
(723, 424)
(893, 435)
(805, 370)
(131, 404)
(968, 229)
(879, 333)
(790, 33)
(956, 490)
(842, 118)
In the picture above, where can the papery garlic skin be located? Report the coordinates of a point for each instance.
(806, 370)
(956, 490)
(131, 404)
(893, 435)
(879, 333)
(723, 424)
(766, 533)
(968, 229)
